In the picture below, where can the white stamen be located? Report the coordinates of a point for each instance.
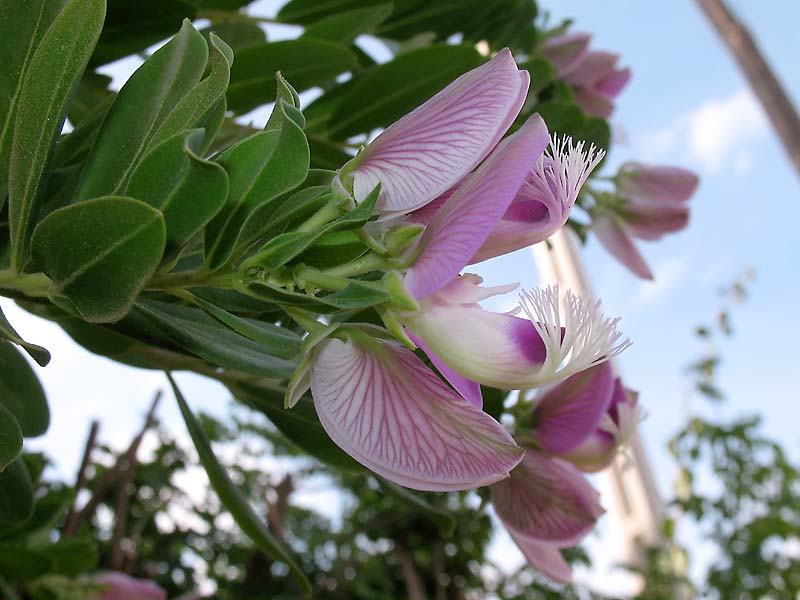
(562, 170)
(629, 415)
(590, 338)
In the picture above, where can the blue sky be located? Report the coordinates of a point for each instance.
(688, 105)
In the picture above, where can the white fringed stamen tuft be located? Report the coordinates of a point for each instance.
(589, 337)
(629, 415)
(562, 170)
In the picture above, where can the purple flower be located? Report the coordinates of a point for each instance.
(384, 407)
(119, 586)
(545, 505)
(614, 431)
(544, 202)
(654, 203)
(509, 352)
(433, 147)
(594, 75)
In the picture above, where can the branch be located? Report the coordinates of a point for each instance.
(110, 477)
(80, 480)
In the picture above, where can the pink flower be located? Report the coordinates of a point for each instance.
(594, 75)
(544, 202)
(434, 146)
(509, 352)
(384, 407)
(614, 431)
(119, 586)
(654, 203)
(546, 505)
(656, 183)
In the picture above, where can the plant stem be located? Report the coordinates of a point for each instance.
(320, 279)
(365, 264)
(201, 277)
(37, 285)
(323, 216)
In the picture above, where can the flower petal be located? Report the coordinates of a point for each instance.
(613, 236)
(593, 103)
(650, 220)
(547, 499)
(656, 182)
(568, 412)
(494, 349)
(596, 66)
(434, 146)
(567, 51)
(611, 85)
(385, 408)
(469, 215)
(545, 558)
(469, 390)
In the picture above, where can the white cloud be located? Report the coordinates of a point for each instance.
(667, 275)
(718, 132)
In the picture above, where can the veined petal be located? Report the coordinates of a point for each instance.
(612, 235)
(547, 499)
(568, 412)
(430, 149)
(469, 390)
(545, 558)
(469, 215)
(385, 408)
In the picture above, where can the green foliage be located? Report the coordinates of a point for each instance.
(232, 498)
(115, 245)
(56, 64)
(21, 393)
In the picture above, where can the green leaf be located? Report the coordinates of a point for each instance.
(563, 118)
(305, 63)
(22, 564)
(236, 33)
(47, 513)
(346, 26)
(22, 24)
(10, 438)
(355, 295)
(261, 168)
(388, 91)
(444, 520)
(37, 353)
(198, 107)
(92, 91)
(52, 73)
(16, 495)
(304, 12)
(299, 424)
(71, 555)
(232, 498)
(542, 73)
(21, 393)
(326, 154)
(283, 248)
(187, 189)
(100, 253)
(207, 338)
(277, 340)
(596, 131)
(145, 101)
(134, 25)
(334, 249)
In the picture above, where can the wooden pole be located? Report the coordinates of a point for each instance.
(765, 85)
